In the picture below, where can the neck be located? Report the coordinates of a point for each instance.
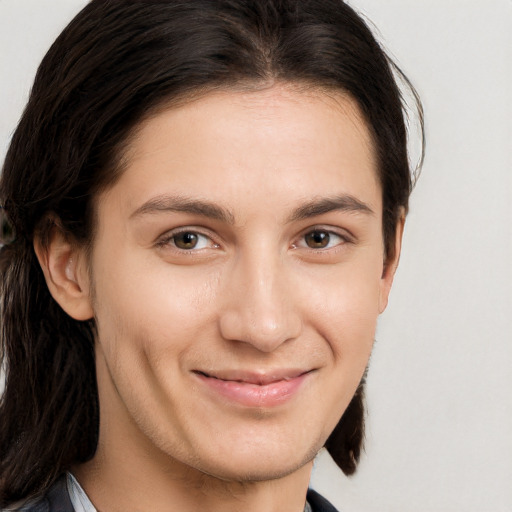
(133, 488)
(129, 473)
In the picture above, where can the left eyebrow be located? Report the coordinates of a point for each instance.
(344, 203)
(180, 204)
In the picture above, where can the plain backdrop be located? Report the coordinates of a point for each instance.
(439, 428)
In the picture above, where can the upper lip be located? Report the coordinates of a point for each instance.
(260, 378)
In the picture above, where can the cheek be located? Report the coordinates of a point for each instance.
(151, 307)
(345, 305)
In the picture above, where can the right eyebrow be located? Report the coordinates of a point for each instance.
(320, 206)
(166, 203)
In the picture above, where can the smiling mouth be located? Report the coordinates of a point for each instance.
(255, 379)
(252, 389)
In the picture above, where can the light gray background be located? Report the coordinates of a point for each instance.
(440, 412)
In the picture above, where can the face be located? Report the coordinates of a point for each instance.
(237, 276)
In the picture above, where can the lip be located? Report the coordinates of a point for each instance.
(254, 389)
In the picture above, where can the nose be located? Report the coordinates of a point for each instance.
(260, 307)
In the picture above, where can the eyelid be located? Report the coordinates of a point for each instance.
(165, 239)
(342, 233)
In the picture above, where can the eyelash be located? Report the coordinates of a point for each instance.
(170, 240)
(344, 238)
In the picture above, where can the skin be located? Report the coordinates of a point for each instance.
(278, 190)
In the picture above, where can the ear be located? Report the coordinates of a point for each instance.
(64, 267)
(390, 265)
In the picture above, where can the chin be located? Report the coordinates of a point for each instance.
(258, 465)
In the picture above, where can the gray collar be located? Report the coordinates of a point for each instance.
(80, 500)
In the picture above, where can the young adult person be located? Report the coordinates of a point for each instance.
(205, 203)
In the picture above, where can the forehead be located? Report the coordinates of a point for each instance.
(280, 143)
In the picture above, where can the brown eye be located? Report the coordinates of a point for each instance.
(186, 240)
(317, 239)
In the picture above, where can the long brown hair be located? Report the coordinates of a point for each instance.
(115, 64)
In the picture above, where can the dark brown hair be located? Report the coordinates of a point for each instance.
(116, 63)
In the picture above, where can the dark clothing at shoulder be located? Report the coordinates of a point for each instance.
(57, 500)
(319, 503)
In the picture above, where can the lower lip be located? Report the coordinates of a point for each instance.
(254, 395)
